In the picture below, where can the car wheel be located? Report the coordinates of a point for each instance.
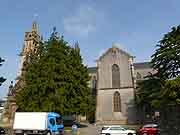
(108, 134)
(130, 134)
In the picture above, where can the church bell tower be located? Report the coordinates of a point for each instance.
(31, 41)
(30, 44)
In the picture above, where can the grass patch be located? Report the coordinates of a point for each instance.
(67, 128)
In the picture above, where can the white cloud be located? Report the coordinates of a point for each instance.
(83, 21)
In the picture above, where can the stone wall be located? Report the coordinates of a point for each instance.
(9, 111)
(105, 111)
(105, 64)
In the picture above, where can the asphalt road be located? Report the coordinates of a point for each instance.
(87, 129)
(90, 130)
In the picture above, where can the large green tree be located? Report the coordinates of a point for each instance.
(2, 79)
(155, 92)
(162, 88)
(166, 59)
(170, 92)
(149, 91)
(56, 80)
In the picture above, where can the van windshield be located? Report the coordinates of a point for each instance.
(59, 120)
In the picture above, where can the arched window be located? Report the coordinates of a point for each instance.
(117, 102)
(115, 76)
(94, 82)
(138, 75)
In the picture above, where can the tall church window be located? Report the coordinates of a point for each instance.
(115, 76)
(117, 102)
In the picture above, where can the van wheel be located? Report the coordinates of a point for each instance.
(130, 134)
(108, 134)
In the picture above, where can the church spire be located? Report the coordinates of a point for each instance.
(34, 26)
(77, 47)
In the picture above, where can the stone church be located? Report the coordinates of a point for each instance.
(114, 83)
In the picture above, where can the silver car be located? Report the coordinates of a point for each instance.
(116, 130)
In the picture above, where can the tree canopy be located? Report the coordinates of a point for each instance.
(2, 79)
(148, 91)
(163, 88)
(56, 80)
(170, 93)
(166, 59)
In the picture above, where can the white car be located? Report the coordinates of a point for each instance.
(116, 130)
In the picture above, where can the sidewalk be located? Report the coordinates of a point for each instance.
(69, 132)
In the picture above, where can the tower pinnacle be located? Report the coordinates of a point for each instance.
(34, 26)
(77, 47)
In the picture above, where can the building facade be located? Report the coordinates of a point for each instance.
(114, 82)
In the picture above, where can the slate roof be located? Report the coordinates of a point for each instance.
(142, 65)
(92, 69)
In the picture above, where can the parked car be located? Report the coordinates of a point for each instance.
(2, 131)
(116, 130)
(149, 129)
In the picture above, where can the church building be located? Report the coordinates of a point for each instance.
(114, 83)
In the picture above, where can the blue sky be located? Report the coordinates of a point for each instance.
(137, 25)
